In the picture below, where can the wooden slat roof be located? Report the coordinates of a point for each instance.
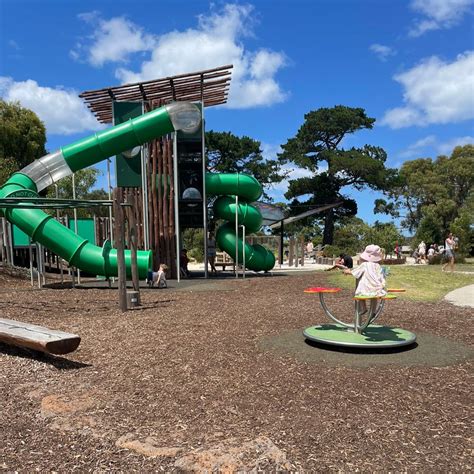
(210, 86)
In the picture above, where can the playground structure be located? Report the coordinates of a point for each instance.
(360, 332)
(238, 209)
(160, 196)
(32, 179)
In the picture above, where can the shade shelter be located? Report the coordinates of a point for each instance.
(289, 220)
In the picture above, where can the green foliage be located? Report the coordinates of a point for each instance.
(352, 235)
(22, 138)
(193, 241)
(386, 235)
(316, 143)
(433, 194)
(462, 228)
(227, 153)
(430, 228)
(349, 237)
(85, 180)
(436, 260)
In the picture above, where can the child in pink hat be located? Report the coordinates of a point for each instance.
(369, 274)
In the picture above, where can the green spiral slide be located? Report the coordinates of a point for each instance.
(248, 189)
(47, 170)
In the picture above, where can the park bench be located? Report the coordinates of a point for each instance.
(38, 338)
(223, 260)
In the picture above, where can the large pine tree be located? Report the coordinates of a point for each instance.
(317, 148)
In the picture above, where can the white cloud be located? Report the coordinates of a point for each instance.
(419, 146)
(61, 110)
(113, 40)
(217, 41)
(278, 190)
(435, 92)
(438, 14)
(447, 147)
(270, 151)
(381, 51)
(14, 45)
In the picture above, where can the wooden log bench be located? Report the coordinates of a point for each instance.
(39, 338)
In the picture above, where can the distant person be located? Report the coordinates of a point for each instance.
(309, 249)
(450, 244)
(431, 253)
(159, 277)
(369, 274)
(183, 263)
(344, 262)
(211, 252)
(422, 251)
(398, 252)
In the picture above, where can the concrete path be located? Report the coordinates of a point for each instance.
(462, 296)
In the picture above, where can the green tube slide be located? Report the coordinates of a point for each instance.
(45, 171)
(248, 189)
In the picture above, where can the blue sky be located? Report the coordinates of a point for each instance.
(409, 64)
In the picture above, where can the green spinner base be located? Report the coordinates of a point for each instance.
(373, 337)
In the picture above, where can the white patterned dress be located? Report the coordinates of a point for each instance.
(371, 281)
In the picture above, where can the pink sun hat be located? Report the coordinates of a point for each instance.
(372, 253)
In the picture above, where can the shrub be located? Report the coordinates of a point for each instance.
(196, 254)
(439, 259)
(436, 260)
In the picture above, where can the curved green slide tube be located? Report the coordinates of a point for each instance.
(42, 228)
(248, 189)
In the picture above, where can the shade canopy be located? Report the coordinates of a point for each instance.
(211, 87)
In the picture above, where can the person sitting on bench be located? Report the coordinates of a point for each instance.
(344, 262)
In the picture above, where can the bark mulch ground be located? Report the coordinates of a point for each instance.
(217, 379)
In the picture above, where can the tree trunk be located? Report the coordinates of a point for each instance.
(328, 234)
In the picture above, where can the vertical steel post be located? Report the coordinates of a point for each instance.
(236, 236)
(243, 251)
(58, 218)
(38, 264)
(144, 171)
(3, 253)
(109, 187)
(10, 242)
(111, 220)
(204, 193)
(146, 225)
(176, 205)
(5, 241)
(75, 220)
(281, 243)
(30, 250)
(43, 265)
(296, 251)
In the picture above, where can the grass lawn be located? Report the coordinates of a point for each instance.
(422, 282)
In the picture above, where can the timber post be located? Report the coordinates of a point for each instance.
(132, 232)
(119, 243)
